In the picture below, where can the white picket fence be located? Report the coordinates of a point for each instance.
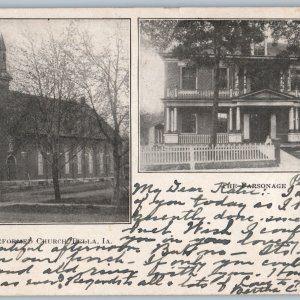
(189, 154)
(190, 138)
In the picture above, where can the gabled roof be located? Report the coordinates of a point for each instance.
(79, 120)
(266, 94)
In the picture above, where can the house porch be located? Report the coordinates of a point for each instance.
(235, 124)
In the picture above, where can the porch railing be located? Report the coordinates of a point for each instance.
(200, 93)
(295, 93)
(189, 138)
(175, 92)
(166, 155)
(222, 138)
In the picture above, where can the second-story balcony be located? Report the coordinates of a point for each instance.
(209, 94)
(200, 93)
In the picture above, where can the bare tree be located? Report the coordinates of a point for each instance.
(46, 69)
(104, 79)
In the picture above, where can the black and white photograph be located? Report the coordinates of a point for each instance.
(65, 102)
(219, 95)
(150, 151)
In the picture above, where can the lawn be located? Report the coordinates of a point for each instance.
(61, 214)
(80, 203)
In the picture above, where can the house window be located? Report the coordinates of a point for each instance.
(67, 162)
(259, 50)
(222, 122)
(40, 164)
(189, 122)
(79, 161)
(295, 80)
(223, 78)
(90, 157)
(188, 78)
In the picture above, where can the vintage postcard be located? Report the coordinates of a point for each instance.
(150, 151)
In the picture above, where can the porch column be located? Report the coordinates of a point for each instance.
(252, 48)
(297, 118)
(172, 120)
(245, 80)
(281, 81)
(291, 119)
(266, 47)
(167, 119)
(273, 126)
(246, 126)
(238, 119)
(175, 119)
(230, 119)
(236, 80)
(289, 81)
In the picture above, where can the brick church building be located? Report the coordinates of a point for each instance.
(83, 155)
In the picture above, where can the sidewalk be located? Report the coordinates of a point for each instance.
(288, 162)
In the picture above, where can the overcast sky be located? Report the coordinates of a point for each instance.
(151, 81)
(102, 31)
(13, 30)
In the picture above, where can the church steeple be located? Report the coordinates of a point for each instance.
(2, 44)
(5, 78)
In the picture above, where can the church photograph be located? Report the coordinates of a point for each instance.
(64, 121)
(227, 95)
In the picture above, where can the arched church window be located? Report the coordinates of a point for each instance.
(11, 163)
(90, 162)
(40, 164)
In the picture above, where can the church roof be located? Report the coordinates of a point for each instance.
(25, 113)
(79, 120)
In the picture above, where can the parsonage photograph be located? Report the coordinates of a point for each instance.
(64, 120)
(219, 95)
